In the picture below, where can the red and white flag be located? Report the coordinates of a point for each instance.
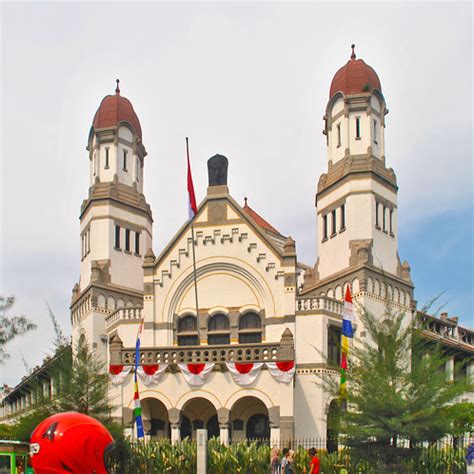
(282, 371)
(196, 374)
(118, 373)
(151, 374)
(192, 196)
(244, 373)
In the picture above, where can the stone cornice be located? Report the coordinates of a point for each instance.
(118, 193)
(356, 166)
(343, 274)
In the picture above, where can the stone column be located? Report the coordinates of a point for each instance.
(223, 418)
(224, 433)
(201, 442)
(274, 419)
(450, 369)
(274, 435)
(173, 416)
(175, 433)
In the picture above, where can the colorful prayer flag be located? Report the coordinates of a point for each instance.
(347, 333)
(137, 408)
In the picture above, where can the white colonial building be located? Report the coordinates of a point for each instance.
(262, 315)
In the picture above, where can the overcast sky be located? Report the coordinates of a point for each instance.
(249, 81)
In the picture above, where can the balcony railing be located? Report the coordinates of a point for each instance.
(126, 313)
(319, 303)
(258, 352)
(200, 354)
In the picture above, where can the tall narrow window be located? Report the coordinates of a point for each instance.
(82, 247)
(325, 227)
(334, 346)
(107, 158)
(138, 170)
(333, 226)
(137, 243)
(384, 222)
(375, 131)
(125, 160)
(357, 128)
(187, 331)
(338, 134)
(377, 222)
(391, 222)
(250, 329)
(93, 164)
(117, 237)
(88, 243)
(127, 240)
(218, 330)
(343, 217)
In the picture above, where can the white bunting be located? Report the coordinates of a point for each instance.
(151, 374)
(244, 373)
(196, 374)
(118, 373)
(282, 371)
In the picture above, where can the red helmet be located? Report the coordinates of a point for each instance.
(68, 443)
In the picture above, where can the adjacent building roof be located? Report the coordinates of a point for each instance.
(115, 109)
(354, 77)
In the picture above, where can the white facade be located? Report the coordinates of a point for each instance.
(269, 307)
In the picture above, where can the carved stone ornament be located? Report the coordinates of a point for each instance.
(217, 170)
(217, 212)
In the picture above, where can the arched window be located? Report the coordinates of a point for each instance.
(250, 329)
(218, 330)
(187, 331)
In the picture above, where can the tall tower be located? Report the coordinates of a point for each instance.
(115, 220)
(356, 198)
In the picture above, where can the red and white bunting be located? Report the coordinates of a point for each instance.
(151, 374)
(282, 371)
(244, 373)
(118, 373)
(196, 374)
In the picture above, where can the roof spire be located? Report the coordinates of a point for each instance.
(245, 200)
(117, 89)
(353, 55)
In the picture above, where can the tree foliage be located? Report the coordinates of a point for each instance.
(11, 326)
(397, 388)
(60, 339)
(83, 386)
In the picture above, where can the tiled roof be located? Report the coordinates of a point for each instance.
(354, 77)
(115, 109)
(258, 219)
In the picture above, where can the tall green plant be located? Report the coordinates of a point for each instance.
(397, 389)
(83, 385)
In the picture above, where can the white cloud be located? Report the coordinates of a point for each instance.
(247, 80)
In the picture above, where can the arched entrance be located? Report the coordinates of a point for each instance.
(155, 418)
(332, 431)
(198, 413)
(249, 419)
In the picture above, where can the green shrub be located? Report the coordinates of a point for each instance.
(160, 456)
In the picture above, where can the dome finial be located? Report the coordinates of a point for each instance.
(117, 89)
(245, 200)
(353, 55)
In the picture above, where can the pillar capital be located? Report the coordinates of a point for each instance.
(173, 416)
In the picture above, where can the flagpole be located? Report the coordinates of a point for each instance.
(194, 258)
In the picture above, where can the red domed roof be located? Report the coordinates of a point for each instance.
(354, 77)
(115, 109)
